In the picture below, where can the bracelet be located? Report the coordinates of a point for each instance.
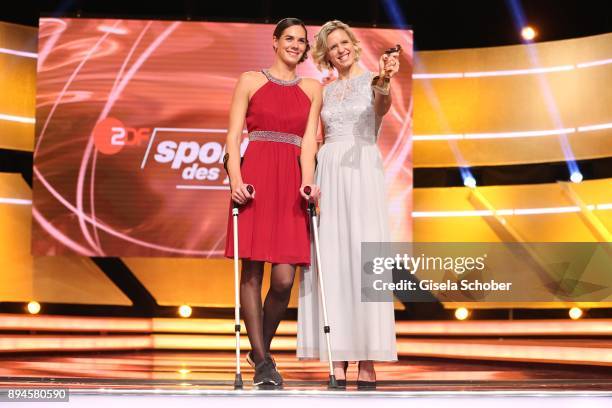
(381, 89)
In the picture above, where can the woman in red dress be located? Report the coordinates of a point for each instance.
(281, 111)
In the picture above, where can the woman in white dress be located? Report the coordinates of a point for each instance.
(353, 209)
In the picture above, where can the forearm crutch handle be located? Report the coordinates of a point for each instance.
(250, 189)
(311, 205)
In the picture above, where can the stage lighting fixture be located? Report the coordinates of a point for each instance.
(528, 33)
(184, 311)
(33, 307)
(576, 177)
(469, 182)
(462, 313)
(575, 313)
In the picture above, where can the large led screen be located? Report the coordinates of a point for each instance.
(131, 124)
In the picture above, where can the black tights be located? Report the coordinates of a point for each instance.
(261, 324)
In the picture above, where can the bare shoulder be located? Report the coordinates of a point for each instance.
(311, 87)
(252, 75)
(251, 79)
(312, 83)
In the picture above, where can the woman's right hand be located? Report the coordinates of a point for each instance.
(240, 193)
(389, 64)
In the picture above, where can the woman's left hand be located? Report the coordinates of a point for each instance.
(315, 192)
(389, 64)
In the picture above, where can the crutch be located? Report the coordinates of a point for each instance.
(312, 211)
(235, 206)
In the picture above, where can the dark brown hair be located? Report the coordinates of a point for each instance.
(285, 23)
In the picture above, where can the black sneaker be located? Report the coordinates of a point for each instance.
(266, 374)
(249, 359)
(276, 377)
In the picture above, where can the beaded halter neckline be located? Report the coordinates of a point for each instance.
(280, 81)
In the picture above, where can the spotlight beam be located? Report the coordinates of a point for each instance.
(553, 111)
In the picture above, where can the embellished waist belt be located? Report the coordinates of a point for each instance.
(280, 137)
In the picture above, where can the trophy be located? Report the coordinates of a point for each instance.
(382, 84)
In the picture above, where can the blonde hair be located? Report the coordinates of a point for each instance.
(320, 49)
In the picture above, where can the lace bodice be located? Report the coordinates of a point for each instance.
(348, 110)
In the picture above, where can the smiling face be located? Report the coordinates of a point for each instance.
(340, 49)
(291, 44)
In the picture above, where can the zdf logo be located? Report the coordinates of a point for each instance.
(191, 155)
(111, 135)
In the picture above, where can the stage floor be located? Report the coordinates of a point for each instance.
(178, 371)
(196, 379)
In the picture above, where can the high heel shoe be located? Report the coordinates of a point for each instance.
(342, 383)
(365, 385)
